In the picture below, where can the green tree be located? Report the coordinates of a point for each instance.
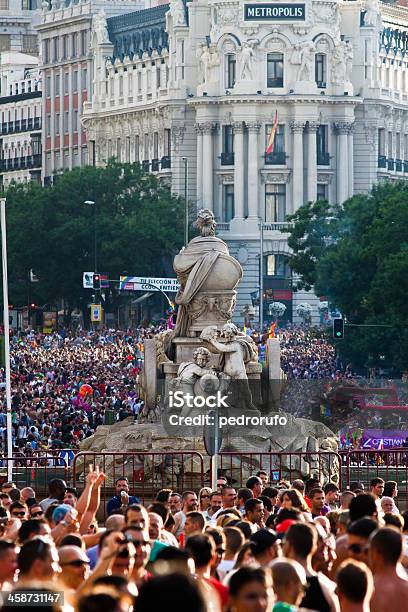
(51, 230)
(357, 255)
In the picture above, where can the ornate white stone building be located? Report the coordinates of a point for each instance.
(202, 82)
(20, 114)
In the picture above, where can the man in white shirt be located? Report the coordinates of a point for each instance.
(190, 504)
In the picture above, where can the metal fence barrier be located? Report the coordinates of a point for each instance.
(280, 466)
(147, 472)
(28, 473)
(361, 466)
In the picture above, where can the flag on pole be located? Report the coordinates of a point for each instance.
(271, 140)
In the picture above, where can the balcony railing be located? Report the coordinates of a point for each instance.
(20, 163)
(223, 227)
(165, 162)
(227, 159)
(277, 226)
(277, 158)
(398, 165)
(390, 164)
(155, 165)
(14, 127)
(323, 158)
(382, 161)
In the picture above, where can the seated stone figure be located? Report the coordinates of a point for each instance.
(208, 276)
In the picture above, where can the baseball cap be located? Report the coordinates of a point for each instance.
(262, 540)
(60, 512)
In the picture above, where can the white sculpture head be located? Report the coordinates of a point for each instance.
(229, 331)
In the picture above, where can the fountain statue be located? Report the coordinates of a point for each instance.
(206, 354)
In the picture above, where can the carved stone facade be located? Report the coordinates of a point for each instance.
(204, 85)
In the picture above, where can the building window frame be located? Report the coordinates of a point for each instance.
(322, 145)
(275, 70)
(321, 70)
(275, 202)
(228, 202)
(230, 70)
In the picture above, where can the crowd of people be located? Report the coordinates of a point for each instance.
(48, 370)
(295, 547)
(47, 374)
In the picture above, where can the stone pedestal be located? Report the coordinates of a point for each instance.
(211, 308)
(150, 374)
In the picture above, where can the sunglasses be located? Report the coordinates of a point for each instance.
(39, 513)
(18, 514)
(75, 563)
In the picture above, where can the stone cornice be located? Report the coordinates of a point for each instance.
(112, 113)
(287, 100)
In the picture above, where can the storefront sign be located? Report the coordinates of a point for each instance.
(274, 11)
(383, 438)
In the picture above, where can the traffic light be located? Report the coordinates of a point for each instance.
(338, 329)
(97, 281)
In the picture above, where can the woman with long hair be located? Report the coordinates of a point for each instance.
(293, 500)
(204, 499)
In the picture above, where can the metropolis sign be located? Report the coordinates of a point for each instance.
(274, 11)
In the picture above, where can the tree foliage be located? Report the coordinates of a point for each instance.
(51, 231)
(357, 255)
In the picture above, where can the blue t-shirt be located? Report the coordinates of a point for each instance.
(115, 503)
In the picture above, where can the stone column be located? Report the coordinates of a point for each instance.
(253, 169)
(312, 127)
(239, 175)
(207, 174)
(350, 146)
(297, 128)
(342, 177)
(199, 132)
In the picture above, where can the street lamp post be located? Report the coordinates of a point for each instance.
(185, 161)
(6, 326)
(261, 250)
(92, 203)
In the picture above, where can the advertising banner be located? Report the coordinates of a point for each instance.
(383, 438)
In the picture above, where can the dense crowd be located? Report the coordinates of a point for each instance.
(297, 546)
(48, 372)
(306, 354)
